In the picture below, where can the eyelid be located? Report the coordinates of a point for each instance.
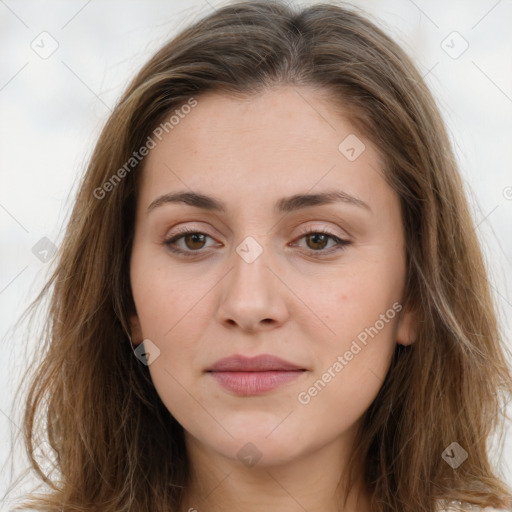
(190, 227)
(303, 230)
(339, 243)
(323, 228)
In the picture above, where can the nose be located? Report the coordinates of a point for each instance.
(253, 296)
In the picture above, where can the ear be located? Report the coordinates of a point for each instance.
(407, 327)
(136, 331)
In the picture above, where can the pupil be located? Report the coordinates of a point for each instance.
(194, 237)
(315, 239)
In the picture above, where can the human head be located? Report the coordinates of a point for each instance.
(243, 50)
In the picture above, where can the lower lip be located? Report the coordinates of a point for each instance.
(254, 383)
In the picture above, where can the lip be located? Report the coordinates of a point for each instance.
(249, 376)
(260, 363)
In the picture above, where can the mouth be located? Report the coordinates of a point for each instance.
(249, 376)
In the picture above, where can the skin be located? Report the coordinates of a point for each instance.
(290, 302)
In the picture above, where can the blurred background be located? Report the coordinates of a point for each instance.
(63, 65)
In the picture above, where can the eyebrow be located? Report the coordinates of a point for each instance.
(283, 205)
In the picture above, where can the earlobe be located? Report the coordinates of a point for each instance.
(407, 327)
(136, 331)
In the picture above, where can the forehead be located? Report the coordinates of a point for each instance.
(284, 138)
(281, 118)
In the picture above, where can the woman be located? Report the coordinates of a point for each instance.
(270, 295)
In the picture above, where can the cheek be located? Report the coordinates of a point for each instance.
(350, 373)
(172, 316)
(355, 301)
(173, 379)
(363, 322)
(167, 301)
(173, 310)
(361, 310)
(340, 403)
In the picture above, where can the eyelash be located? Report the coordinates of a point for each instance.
(340, 244)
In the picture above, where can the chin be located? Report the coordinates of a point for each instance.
(274, 449)
(255, 444)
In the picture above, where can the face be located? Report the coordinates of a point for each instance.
(275, 316)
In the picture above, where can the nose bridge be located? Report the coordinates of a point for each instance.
(251, 292)
(250, 274)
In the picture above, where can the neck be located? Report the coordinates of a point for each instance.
(311, 483)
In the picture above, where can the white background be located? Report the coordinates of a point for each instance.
(51, 111)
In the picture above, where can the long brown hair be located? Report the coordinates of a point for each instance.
(115, 445)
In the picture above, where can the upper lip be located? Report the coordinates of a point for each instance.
(260, 363)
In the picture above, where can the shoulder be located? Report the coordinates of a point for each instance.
(474, 508)
(459, 507)
(490, 509)
(20, 510)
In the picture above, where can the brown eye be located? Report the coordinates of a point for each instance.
(194, 241)
(318, 241)
(187, 242)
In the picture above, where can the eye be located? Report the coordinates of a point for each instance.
(318, 239)
(194, 241)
